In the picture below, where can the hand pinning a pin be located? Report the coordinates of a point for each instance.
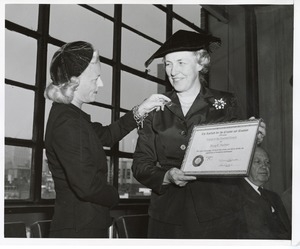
(167, 103)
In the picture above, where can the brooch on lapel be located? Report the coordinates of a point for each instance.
(219, 104)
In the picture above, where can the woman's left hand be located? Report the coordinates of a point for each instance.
(261, 131)
(155, 101)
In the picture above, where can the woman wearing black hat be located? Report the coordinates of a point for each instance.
(183, 206)
(74, 144)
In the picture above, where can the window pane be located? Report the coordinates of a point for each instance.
(17, 172)
(105, 92)
(177, 25)
(20, 57)
(105, 8)
(23, 14)
(136, 50)
(51, 50)
(47, 191)
(18, 112)
(191, 12)
(84, 24)
(128, 143)
(129, 187)
(145, 18)
(134, 90)
(48, 105)
(98, 114)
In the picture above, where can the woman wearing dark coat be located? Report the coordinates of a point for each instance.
(183, 206)
(74, 144)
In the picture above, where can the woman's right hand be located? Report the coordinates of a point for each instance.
(155, 101)
(177, 177)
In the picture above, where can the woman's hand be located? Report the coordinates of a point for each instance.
(155, 101)
(177, 177)
(261, 131)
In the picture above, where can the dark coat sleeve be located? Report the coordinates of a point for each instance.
(145, 167)
(111, 134)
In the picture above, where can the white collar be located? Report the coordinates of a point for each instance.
(255, 187)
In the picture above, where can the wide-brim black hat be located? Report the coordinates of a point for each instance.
(184, 40)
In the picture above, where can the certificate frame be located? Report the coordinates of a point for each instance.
(221, 149)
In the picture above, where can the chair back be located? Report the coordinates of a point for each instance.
(132, 226)
(40, 229)
(15, 229)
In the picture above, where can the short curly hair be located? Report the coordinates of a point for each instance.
(203, 59)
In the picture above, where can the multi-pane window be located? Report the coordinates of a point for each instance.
(33, 33)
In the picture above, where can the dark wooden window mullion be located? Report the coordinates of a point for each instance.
(19, 142)
(204, 26)
(141, 34)
(59, 43)
(20, 29)
(116, 87)
(251, 63)
(20, 84)
(39, 101)
(204, 20)
(142, 74)
(187, 23)
(169, 10)
(98, 12)
(100, 105)
(169, 32)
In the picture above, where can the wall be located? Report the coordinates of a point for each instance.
(228, 71)
(275, 69)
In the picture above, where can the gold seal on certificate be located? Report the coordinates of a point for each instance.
(221, 149)
(198, 160)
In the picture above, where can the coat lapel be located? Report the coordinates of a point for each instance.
(175, 107)
(200, 105)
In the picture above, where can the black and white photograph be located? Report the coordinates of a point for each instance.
(100, 107)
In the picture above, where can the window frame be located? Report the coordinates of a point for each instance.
(43, 39)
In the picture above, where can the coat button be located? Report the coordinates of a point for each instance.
(183, 133)
(182, 147)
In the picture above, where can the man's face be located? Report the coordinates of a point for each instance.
(260, 168)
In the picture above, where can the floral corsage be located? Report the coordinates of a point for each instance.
(219, 104)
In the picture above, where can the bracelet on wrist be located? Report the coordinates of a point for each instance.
(139, 119)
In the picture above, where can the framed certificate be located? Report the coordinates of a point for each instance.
(221, 149)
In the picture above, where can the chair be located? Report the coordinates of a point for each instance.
(40, 229)
(15, 229)
(132, 226)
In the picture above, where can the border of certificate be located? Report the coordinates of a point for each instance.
(199, 160)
